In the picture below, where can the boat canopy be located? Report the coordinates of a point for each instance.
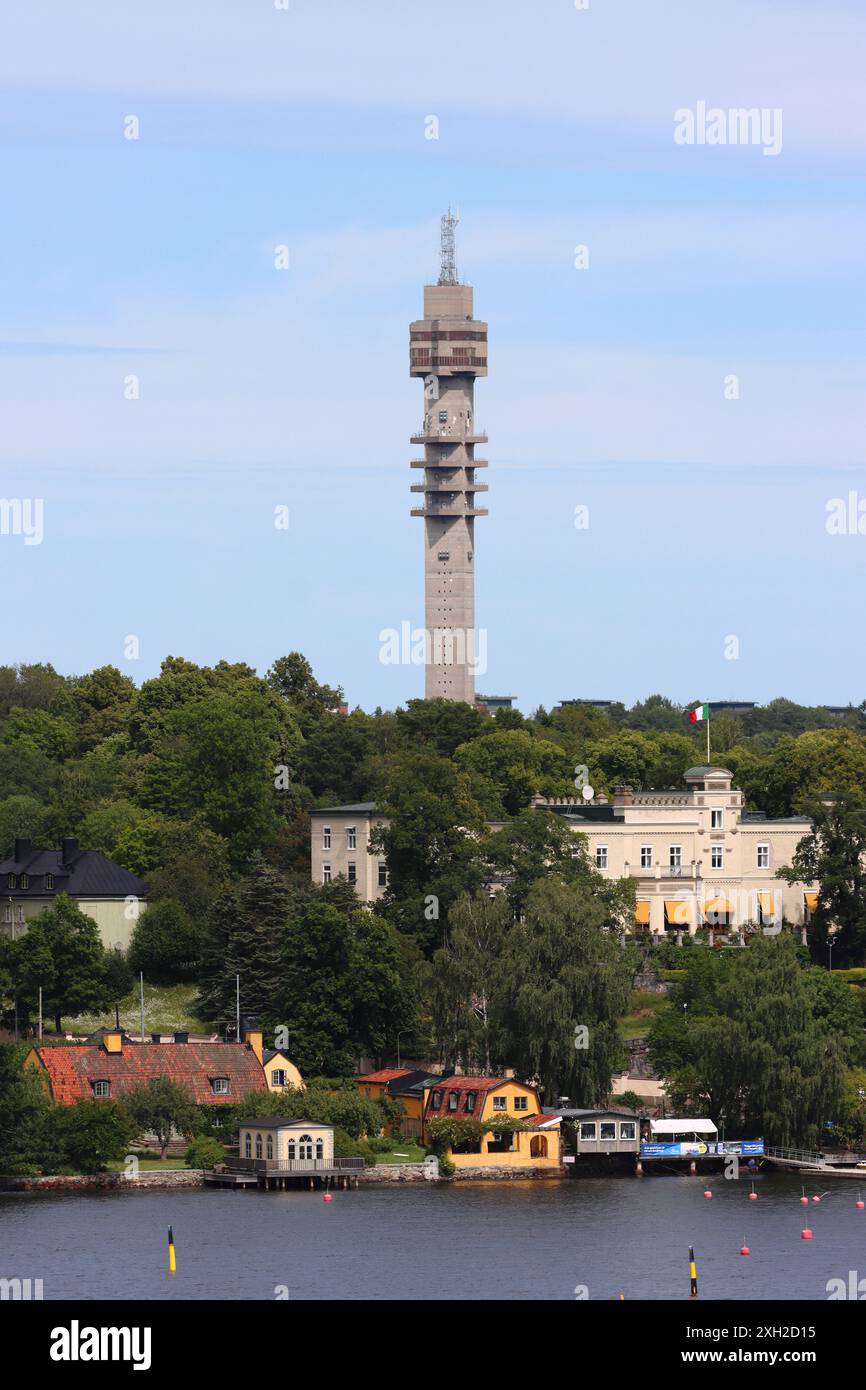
(683, 1127)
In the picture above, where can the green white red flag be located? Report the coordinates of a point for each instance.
(700, 713)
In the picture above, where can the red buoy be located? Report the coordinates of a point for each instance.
(804, 1201)
(327, 1197)
(860, 1205)
(753, 1196)
(745, 1250)
(708, 1193)
(806, 1235)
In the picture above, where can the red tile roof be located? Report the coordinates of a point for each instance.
(462, 1085)
(543, 1119)
(383, 1077)
(71, 1070)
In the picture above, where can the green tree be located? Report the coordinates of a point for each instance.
(246, 937)
(563, 972)
(204, 1152)
(91, 1134)
(292, 678)
(832, 854)
(517, 765)
(119, 979)
(166, 943)
(463, 982)
(63, 953)
(162, 1107)
(25, 1110)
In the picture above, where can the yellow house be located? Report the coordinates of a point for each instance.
(488, 1098)
(281, 1073)
(409, 1088)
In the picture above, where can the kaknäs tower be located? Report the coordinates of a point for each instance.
(448, 349)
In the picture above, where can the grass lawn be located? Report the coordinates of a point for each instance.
(167, 1009)
(645, 1006)
(406, 1153)
(150, 1165)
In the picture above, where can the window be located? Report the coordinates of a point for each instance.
(763, 856)
(676, 856)
(444, 555)
(20, 913)
(601, 856)
(101, 1089)
(383, 874)
(500, 1102)
(716, 820)
(270, 1149)
(588, 1129)
(219, 1085)
(717, 855)
(352, 838)
(248, 1145)
(443, 417)
(608, 1129)
(291, 1150)
(520, 1102)
(320, 1150)
(436, 1100)
(258, 1146)
(646, 856)
(502, 1143)
(7, 913)
(352, 873)
(305, 1146)
(627, 1129)
(326, 837)
(278, 1077)
(326, 873)
(12, 881)
(452, 1100)
(25, 881)
(49, 881)
(470, 1100)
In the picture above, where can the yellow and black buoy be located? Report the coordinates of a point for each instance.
(693, 1273)
(172, 1262)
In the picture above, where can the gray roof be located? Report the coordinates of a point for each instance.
(280, 1122)
(80, 873)
(361, 807)
(703, 768)
(571, 1114)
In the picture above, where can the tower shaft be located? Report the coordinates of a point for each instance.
(448, 349)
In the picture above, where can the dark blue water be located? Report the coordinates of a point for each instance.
(503, 1240)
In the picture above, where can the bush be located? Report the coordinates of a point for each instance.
(204, 1152)
(347, 1147)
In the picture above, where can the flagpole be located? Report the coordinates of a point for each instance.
(708, 736)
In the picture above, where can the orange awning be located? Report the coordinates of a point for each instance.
(768, 907)
(717, 906)
(811, 901)
(676, 912)
(642, 914)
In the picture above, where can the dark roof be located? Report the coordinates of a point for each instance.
(83, 873)
(277, 1122)
(71, 1070)
(584, 813)
(269, 1053)
(570, 1113)
(703, 768)
(362, 807)
(413, 1081)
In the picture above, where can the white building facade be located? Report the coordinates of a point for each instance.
(697, 860)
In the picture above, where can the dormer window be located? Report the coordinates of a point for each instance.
(25, 881)
(452, 1100)
(470, 1100)
(436, 1100)
(12, 881)
(101, 1089)
(219, 1085)
(49, 882)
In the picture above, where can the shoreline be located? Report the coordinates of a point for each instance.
(383, 1173)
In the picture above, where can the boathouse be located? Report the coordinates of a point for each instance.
(274, 1151)
(604, 1131)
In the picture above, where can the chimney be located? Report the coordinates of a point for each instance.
(113, 1041)
(623, 795)
(69, 850)
(156, 1037)
(251, 1032)
(255, 1040)
(23, 850)
(181, 1037)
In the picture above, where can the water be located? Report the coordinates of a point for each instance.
(502, 1240)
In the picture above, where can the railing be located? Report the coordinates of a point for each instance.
(808, 1157)
(297, 1165)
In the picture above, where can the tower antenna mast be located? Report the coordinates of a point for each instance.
(447, 257)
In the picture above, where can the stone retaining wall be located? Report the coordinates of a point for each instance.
(170, 1177)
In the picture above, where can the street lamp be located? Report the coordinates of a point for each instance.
(830, 944)
(399, 1036)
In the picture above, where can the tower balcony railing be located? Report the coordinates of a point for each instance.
(454, 509)
(444, 488)
(452, 464)
(460, 361)
(447, 435)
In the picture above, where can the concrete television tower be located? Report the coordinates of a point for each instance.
(448, 348)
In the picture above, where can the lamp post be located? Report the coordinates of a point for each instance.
(830, 944)
(399, 1036)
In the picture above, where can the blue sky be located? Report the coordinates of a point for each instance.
(261, 388)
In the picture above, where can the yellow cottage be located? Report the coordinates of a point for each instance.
(487, 1098)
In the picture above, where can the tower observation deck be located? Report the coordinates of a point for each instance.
(448, 349)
